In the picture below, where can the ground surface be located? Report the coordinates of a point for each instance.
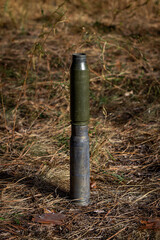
(122, 43)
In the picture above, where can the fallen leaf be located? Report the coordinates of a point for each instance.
(118, 65)
(153, 223)
(99, 211)
(48, 211)
(93, 185)
(49, 218)
(127, 94)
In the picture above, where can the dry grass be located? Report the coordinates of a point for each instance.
(122, 43)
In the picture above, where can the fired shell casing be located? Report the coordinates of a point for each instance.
(79, 166)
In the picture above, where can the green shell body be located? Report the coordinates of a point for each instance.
(79, 90)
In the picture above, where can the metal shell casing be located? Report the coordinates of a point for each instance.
(79, 142)
(79, 169)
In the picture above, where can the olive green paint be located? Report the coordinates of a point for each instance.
(79, 90)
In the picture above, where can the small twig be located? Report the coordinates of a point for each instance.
(116, 233)
(23, 153)
(111, 210)
(4, 114)
(145, 195)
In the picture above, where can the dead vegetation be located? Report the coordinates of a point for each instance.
(122, 43)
